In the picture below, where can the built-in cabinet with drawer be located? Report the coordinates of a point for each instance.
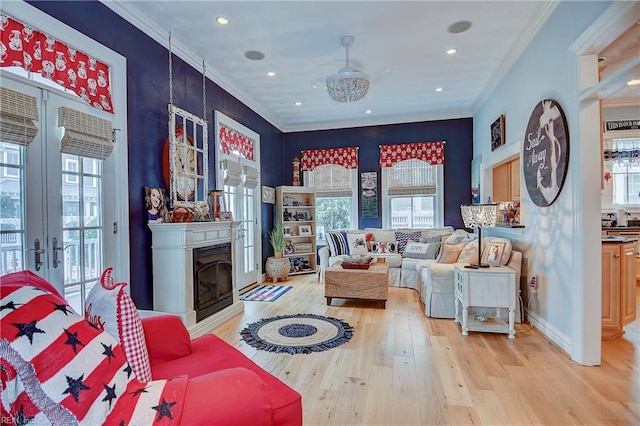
(633, 233)
(506, 181)
(618, 287)
(296, 209)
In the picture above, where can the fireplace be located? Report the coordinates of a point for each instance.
(212, 279)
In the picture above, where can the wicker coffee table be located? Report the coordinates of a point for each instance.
(367, 284)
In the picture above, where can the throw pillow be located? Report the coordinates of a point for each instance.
(415, 250)
(403, 238)
(451, 252)
(357, 243)
(428, 240)
(382, 247)
(337, 242)
(470, 253)
(110, 308)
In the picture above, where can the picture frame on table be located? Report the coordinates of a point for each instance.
(305, 230)
(497, 133)
(226, 216)
(492, 254)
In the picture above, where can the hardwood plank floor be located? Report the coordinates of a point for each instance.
(402, 368)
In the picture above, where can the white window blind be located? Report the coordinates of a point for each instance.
(17, 114)
(250, 177)
(84, 134)
(331, 180)
(233, 173)
(412, 176)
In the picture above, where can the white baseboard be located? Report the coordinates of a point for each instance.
(208, 324)
(550, 332)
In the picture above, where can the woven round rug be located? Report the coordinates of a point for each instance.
(297, 334)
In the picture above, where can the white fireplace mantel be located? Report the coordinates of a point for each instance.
(173, 245)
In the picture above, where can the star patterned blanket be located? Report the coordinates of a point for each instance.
(56, 368)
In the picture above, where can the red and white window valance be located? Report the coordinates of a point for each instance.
(26, 47)
(431, 152)
(345, 157)
(235, 143)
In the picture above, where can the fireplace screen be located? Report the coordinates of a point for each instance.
(212, 279)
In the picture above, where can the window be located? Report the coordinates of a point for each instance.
(336, 201)
(412, 195)
(11, 161)
(70, 167)
(622, 162)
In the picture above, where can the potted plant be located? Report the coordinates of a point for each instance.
(276, 237)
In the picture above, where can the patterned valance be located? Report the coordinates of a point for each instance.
(235, 143)
(621, 150)
(25, 47)
(345, 157)
(431, 152)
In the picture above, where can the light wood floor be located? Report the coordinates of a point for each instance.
(401, 368)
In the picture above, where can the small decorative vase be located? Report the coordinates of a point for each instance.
(277, 267)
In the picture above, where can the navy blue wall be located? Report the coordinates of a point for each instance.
(148, 96)
(457, 133)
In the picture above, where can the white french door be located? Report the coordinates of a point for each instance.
(52, 203)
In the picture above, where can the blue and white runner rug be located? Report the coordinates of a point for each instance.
(265, 293)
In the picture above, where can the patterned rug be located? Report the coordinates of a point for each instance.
(265, 293)
(297, 334)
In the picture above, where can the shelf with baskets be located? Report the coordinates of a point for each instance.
(295, 208)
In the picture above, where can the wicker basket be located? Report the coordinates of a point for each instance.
(276, 268)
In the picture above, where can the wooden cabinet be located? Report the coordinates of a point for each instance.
(295, 208)
(633, 233)
(618, 287)
(506, 181)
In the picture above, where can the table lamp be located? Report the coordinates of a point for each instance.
(478, 216)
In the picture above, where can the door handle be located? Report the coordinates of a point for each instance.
(37, 252)
(57, 249)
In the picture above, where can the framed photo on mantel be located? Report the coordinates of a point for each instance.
(497, 133)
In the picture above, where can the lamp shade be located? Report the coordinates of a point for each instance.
(479, 215)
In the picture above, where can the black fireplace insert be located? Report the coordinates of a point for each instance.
(212, 279)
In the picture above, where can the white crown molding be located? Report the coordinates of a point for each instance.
(161, 36)
(534, 25)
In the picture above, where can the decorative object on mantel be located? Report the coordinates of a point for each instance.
(296, 171)
(182, 214)
(216, 201)
(156, 205)
(545, 152)
(348, 84)
(268, 195)
(497, 133)
(478, 216)
(297, 334)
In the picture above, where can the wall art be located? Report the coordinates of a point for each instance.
(497, 133)
(369, 184)
(545, 152)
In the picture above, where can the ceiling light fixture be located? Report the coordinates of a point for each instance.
(451, 51)
(439, 89)
(633, 82)
(271, 74)
(348, 84)
(222, 20)
(297, 103)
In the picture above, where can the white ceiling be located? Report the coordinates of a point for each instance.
(401, 45)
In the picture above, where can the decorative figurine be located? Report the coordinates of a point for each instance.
(296, 171)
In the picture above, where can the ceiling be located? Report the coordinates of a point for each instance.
(401, 45)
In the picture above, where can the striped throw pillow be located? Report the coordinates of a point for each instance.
(338, 244)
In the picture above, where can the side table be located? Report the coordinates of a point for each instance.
(493, 287)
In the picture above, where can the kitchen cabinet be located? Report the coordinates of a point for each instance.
(506, 181)
(618, 285)
(628, 232)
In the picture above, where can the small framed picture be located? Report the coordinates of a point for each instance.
(288, 248)
(286, 231)
(226, 216)
(305, 230)
(156, 205)
(497, 133)
(492, 253)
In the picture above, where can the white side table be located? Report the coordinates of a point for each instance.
(493, 287)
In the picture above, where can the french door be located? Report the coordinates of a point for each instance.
(52, 219)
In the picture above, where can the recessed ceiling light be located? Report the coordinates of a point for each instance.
(439, 89)
(459, 27)
(254, 55)
(451, 51)
(271, 74)
(297, 103)
(633, 82)
(368, 111)
(222, 20)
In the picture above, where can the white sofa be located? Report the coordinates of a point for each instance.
(437, 279)
(404, 271)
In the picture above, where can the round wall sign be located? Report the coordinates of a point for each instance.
(545, 153)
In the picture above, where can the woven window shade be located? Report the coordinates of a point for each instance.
(250, 177)
(331, 180)
(233, 175)
(84, 134)
(412, 177)
(17, 114)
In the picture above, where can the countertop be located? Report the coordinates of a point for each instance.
(618, 240)
(621, 228)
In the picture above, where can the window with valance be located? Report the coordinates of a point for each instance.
(412, 184)
(235, 143)
(37, 52)
(333, 173)
(622, 171)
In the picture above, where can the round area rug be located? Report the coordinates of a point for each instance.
(297, 334)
